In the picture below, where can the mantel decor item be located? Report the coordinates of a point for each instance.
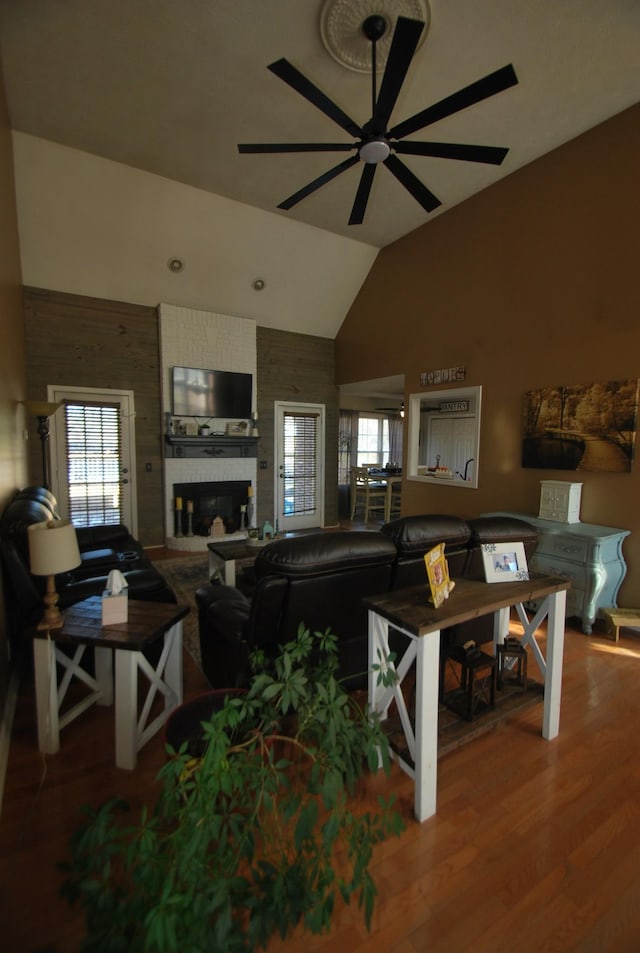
(238, 429)
(504, 562)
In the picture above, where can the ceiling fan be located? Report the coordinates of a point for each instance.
(375, 141)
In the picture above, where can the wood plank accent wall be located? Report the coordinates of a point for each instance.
(89, 342)
(12, 379)
(295, 367)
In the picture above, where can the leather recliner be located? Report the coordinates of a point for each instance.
(321, 579)
(102, 548)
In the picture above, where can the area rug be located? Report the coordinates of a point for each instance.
(185, 574)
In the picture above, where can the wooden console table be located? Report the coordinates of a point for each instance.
(224, 558)
(148, 623)
(589, 555)
(409, 612)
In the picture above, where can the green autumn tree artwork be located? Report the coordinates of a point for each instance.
(581, 427)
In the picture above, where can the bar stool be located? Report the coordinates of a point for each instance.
(478, 676)
(512, 649)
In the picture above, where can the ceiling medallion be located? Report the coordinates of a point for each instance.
(341, 29)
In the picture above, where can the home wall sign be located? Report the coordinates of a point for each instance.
(454, 406)
(582, 426)
(445, 375)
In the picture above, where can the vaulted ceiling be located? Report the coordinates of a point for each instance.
(172, 87)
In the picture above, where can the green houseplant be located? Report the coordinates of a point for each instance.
(259, 833)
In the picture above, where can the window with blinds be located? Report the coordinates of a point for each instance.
(300, 461)
(373, 441)
(93, 463)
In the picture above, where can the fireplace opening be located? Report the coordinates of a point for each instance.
(211, 500)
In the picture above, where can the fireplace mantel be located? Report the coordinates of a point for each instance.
(220, 447)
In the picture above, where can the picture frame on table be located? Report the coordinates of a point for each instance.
(504, 562)
(440, 585)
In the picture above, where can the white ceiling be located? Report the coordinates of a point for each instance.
(171, 87)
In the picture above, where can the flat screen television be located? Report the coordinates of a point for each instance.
(196, 392)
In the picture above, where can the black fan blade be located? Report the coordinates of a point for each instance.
(403, 46)
(250, 147)
(316, 97)
(362, 195)
(474, 93)
(493, 155)
(319, 182)
(419, 191)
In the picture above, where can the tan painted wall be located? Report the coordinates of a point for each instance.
(12, 359)
(532, 283)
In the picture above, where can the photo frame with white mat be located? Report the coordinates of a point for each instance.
(504, 562)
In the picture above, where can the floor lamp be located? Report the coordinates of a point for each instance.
(43, 409)
(53, 548)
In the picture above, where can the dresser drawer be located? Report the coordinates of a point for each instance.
(560, 567)
(563, 547)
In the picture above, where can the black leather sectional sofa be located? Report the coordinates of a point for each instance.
(321, 579)
(102, 548)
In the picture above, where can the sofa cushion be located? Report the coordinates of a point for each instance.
(320, 553)
(501, 529)
(115, 535)
(416, 535)
(497, 529)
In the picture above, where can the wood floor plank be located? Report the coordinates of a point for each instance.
(535, 847)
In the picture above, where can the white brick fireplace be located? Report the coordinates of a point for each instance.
(204, 339)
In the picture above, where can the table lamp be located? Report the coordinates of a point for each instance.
(53, 548)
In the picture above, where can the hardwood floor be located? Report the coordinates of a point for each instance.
(535, 846)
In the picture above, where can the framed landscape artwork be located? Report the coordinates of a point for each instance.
(581, 427)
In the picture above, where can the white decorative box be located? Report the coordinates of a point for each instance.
(560, 501)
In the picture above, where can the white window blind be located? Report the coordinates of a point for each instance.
(300, 452)
(93, 463)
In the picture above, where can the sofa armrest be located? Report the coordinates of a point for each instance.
(223, 615)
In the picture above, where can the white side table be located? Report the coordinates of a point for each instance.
(148, 623)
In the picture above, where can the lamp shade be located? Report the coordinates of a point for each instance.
(42, 408)
(53, 547)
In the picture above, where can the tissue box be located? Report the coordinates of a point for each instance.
(115, 608)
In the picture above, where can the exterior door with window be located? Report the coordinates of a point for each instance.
(92, 447)
(299, 445)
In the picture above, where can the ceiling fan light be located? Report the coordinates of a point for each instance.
(376, 150)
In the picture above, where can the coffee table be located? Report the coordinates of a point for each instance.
(225, 557)
(409, 612)
(148, 623)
